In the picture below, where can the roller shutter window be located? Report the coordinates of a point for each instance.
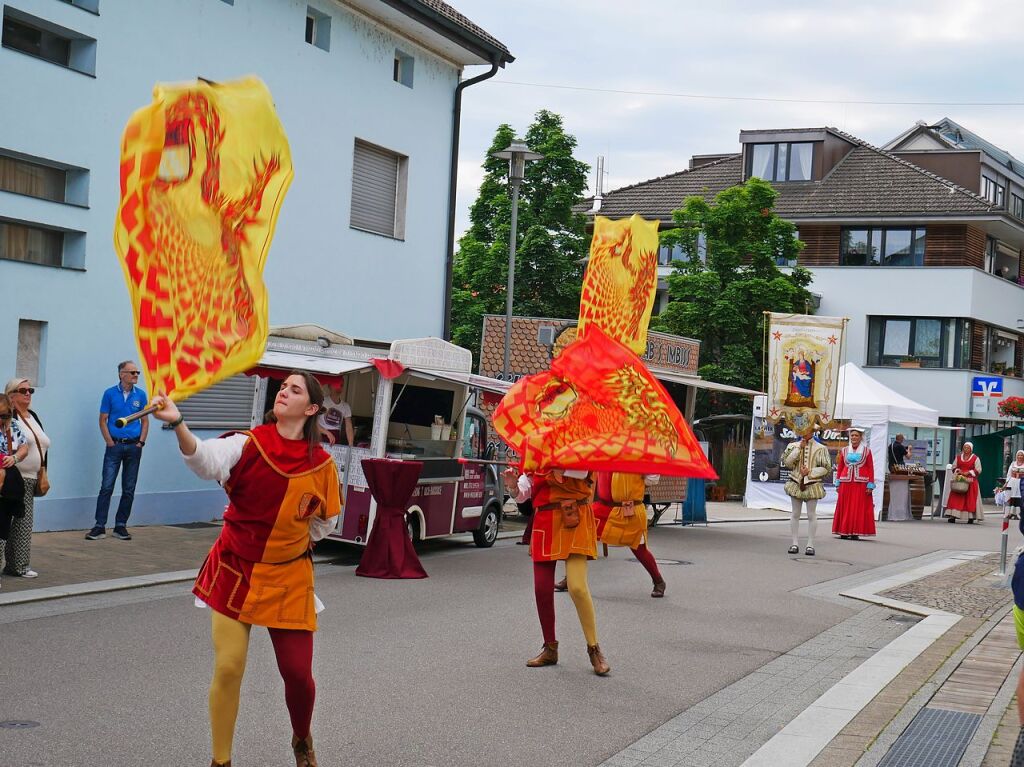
(225, 405)
(376, 177)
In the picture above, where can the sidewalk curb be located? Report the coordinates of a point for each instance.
(800, 741)
(136, 582)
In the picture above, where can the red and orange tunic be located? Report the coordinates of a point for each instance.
(259, 570)
(551, 539)
(620, 522)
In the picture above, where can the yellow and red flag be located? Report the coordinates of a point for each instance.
(621, 280)
(204, 171)
(598, 408)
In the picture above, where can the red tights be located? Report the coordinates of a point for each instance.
(294, 651)
(646, 558)
(544, 593)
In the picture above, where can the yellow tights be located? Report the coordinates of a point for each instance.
(576, 581)
(230, 648)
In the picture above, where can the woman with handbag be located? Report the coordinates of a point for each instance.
(964, 498)
(13, 450)
(18, 550)
(1014, 482)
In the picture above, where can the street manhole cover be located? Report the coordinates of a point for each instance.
(819, 561)
(665, 561)
(195, 525)
(14, 724)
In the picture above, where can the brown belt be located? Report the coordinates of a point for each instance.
(561, 505)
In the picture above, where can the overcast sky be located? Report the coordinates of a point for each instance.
(870, 50)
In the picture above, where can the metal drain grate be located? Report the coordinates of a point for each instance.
(15, 724)
(936, 738)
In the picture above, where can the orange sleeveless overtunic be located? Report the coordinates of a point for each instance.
(550, 539)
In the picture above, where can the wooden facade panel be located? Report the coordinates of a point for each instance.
(954, 245)
(978, 332)
(821, 245)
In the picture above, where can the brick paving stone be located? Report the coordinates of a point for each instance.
(966, 589)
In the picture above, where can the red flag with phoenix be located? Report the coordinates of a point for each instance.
(204, 171)
(599, 408)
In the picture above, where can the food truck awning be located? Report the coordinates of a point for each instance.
(483, 383)
(324, 365)
(700, 383)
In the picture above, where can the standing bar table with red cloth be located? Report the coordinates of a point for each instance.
(389, 552)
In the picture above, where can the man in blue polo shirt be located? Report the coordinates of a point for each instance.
(124, 446)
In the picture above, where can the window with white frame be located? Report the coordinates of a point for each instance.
(318, 28)
(992, 190)
(403, 68)
(937, 342)
(379, 181)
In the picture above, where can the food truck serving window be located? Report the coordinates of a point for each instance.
(417, 405)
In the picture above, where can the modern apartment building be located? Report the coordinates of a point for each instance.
(920, 246)
(369, 93)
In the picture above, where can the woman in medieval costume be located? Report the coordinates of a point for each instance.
(809, 463)
(967, 468)
(283, 491)
(563, 529)
(622, 519)
(855, 470)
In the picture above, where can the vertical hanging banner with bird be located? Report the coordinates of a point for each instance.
(204, 171)
(598, 407)
(804, 356)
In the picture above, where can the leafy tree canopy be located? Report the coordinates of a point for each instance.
(727, 278)
(551, 239)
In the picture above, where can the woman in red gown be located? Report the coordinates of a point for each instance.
(855, 470)
(965, 505)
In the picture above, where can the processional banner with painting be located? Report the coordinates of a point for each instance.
(804, 356)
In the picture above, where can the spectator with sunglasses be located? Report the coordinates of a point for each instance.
(18, 551)
(13, 450)
(124, 447)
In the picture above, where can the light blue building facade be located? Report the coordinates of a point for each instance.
(362, 87)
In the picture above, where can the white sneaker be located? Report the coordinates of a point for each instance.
(30, 574)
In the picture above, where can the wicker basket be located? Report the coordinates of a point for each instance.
(959, 486)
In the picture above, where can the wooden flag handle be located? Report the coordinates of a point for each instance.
(122, 422)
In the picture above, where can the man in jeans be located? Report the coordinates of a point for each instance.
(124, 446)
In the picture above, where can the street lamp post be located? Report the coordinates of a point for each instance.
(518, 154)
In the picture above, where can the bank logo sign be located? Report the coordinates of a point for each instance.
(987, 386)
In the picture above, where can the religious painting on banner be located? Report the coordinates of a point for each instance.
(804, 356)
(204, 171)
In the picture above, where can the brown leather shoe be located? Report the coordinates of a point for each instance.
(548, 656)
(659, 589)
(597, 659)
(215, 763)
(562, 585)
(303, 750)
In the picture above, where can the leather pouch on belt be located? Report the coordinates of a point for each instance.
(570, 514)
(627, 509)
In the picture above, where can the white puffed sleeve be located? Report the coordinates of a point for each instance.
(215, 458)
(320, 528)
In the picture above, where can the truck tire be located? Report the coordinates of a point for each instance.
(412, 527)
(485, 535)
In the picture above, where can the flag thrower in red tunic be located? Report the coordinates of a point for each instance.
(204, 171)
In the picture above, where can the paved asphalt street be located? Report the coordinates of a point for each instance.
(432, 672)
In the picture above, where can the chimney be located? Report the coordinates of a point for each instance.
(598, 186)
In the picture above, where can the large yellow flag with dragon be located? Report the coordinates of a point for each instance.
(598, 407)
(204, 170)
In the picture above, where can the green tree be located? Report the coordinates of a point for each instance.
(727, 279)
(551, 239)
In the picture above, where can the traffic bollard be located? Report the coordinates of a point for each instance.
(1002, 546)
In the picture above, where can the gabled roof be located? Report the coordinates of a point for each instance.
(867, 182)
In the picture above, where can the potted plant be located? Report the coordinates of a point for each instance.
(1012, 407)
(999, 368)
(910, 362)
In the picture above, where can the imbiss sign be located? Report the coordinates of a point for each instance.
(538, 340)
